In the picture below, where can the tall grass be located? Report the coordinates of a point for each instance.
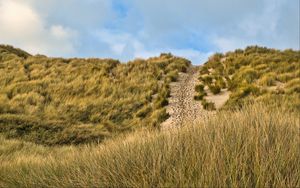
(56, 101)
(254, 67)
(253, 147)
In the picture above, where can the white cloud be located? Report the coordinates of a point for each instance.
(273, 23)
(168, 15)
(59, 31)
(224, 44)
(126, 46)
(118, 48)
(18, 20)
(119, 43)
(268, 28)
(115, 41)
(23, 27)
(133, 28)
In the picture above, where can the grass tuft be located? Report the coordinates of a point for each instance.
(252, 147)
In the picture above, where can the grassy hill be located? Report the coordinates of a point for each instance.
(254, 74)
(70, 101)
(56, 115)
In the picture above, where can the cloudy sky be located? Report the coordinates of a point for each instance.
(127, 29)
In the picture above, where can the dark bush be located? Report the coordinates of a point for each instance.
(208, 105)
(215, 89)
(199, 97)
(206, 79)
(199, 88)
(221, 83)
(173, 75)
(204, 70)
(142, 113)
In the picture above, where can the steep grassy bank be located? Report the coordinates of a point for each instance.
(252, 147)
(70, 101)
(254, 74)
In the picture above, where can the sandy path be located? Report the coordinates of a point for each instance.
(183, 109)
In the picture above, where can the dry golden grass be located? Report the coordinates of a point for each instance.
(253, 147)
(254, 73)
(56, 101)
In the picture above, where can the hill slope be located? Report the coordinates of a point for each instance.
(54, 101)
(254, 74)
(62, 101)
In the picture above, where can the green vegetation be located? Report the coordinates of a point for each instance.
(70, 101)
(56, 116)
(254, 74)
(206, 79)
(252, 147)
(214, 88)
(199, 97)
(207, 105)
(200, 92)
(220, 82)
(199, 88)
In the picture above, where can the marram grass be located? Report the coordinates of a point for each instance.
(252, 147)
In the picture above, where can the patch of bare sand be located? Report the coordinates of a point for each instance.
(183, 109)
(219, 99)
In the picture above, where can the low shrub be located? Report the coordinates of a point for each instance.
(199, 88)
(221, 83)
(219, 70)
(247, 90)
(199, 96)
(161, 102)
(210, 106)
(247, 74)
(143, 112)
(261, 67)
(204, 70)
(49, 132)
(230, 70)
(293, 86)
(206, 79)
(179, 64)
(173, 75)
(158, 116)
(285, 77)
(268, 79)
(215, 89)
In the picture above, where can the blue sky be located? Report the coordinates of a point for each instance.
(128, 29)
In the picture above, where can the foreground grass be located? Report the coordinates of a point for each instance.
(255, 147)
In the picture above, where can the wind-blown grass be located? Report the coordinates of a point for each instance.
(56, 101)
(253, 73)
(252, 147)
